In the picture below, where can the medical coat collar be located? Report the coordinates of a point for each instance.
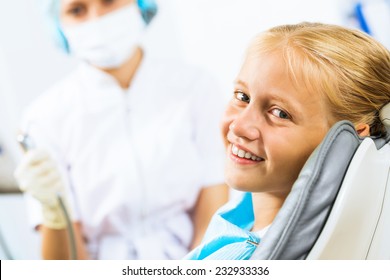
(105, 92)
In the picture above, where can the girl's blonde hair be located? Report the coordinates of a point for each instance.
(348, 67)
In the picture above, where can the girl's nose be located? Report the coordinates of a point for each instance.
(246, 125)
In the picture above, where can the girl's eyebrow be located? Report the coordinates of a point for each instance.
(240, 82)
(287, 104)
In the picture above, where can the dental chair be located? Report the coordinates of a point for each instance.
(339, 207)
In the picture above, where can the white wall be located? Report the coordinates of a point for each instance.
(32, 62)
(7, 119)
(21, 241)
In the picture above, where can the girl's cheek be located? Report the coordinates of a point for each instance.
(227, 118)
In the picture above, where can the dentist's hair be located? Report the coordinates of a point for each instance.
(348, 67)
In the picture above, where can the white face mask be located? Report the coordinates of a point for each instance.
(108, 41)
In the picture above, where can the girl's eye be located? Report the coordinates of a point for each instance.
(242, 96)
(280, 114)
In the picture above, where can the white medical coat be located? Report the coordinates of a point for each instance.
(134, 160)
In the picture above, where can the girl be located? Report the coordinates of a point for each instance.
(295, 83)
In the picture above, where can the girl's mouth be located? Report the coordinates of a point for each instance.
(244, 154)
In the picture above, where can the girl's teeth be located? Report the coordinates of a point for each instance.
(242, 154)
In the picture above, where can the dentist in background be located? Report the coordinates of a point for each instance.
(130, 142)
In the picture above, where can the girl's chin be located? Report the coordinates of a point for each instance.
(239, 185)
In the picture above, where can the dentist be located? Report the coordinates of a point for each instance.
(130, 142)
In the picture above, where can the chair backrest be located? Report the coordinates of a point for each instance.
(319, 216)
(358, 226)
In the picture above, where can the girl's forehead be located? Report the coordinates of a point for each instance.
(294, 65)
(266, 68)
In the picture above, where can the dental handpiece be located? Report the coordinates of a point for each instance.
(27, 144)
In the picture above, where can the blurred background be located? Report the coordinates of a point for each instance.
(212, 34)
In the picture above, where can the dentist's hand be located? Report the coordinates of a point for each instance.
(38, 175)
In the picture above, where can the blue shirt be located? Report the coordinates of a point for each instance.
(228, 236)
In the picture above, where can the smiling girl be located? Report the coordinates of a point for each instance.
(295, 83)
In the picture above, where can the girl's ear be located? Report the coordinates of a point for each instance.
(363, 129)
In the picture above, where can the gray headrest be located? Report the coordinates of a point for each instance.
(304, 213)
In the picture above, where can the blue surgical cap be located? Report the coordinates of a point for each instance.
(51, 10)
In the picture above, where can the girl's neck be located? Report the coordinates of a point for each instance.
(265, 208)
(125, 73)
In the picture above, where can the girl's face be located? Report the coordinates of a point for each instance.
(78, 11)
(270, 127)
